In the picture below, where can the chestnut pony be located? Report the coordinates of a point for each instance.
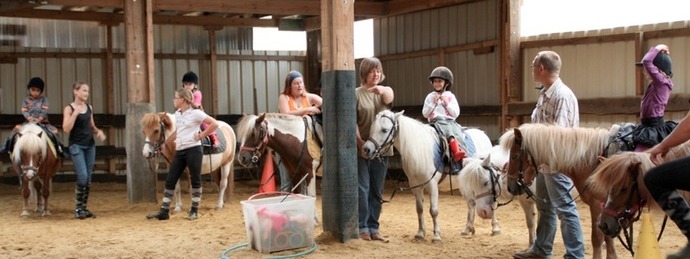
(572, 151)
(35, 159)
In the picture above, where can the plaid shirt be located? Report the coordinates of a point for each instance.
(557, 105)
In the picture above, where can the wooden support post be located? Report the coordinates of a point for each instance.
(141, 184)
(339, 204)
(110, 90)
(510, 60)
(313, 73)
(213, 69)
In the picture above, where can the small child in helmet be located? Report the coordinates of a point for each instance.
(35, 109)
(441, 108)
(190, 81)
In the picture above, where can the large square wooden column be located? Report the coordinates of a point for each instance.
(339, 113)
(141, 182)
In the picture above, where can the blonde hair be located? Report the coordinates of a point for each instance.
(187, 96)
(76, 86)
(367, 65)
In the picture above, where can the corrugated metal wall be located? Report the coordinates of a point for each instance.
(476, 76)
(607, 69)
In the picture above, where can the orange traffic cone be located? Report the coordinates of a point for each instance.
(268, 181)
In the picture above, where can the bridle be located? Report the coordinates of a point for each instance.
(495, 191)
(29, 167)
(520, 178)
(259, 148)
(629, 214)
(385, 146)
(156, 147)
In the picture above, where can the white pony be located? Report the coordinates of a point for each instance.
(483, 183)
(420, 149)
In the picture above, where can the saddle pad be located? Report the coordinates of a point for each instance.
(208, 149)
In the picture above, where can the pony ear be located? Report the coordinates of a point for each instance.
(397, 114)
(261, 118)
(601, 159)
(487, 161)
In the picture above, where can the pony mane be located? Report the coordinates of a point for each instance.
(154, 120)
(30, 142)
(413, 135)
(615, 172)
(562, 148)
(245, 126)
(473, 177)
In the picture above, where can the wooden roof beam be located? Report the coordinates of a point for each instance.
(14, 5)
(109, 18)
(276, 7)
(410, 6)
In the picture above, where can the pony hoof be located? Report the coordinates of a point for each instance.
(25, 214)
(46, 213)
(177, 210)
(436, 240)
(219, 208)
(419, 237)
(495, 233)
(466, 233)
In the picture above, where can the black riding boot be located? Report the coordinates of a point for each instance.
(164, 212)
(87, 213)
(80, 201)
(678, 210)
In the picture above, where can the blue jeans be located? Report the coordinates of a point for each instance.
(83, 158)
(371, 176)
(553, 192)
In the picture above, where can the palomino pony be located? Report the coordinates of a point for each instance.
(298, 140)
(484, 185)
(35, 159)
(571, 151)
(159, 130)
(620, 179)
(420, 151)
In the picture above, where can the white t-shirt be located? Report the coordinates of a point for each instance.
(188, 123)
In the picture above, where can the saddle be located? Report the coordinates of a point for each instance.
(622, 140)
(207, 145)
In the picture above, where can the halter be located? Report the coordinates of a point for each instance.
(387, 143)
(628, 215)
(25, 168)
(258, 150)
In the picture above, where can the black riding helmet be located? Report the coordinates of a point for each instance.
(190, 77)
(36, 82)
(443, 73)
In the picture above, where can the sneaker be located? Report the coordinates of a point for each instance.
(82, 213)
(365, 236)
(528, 255)
(193, 215)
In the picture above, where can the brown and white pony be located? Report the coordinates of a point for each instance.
(619, 178)
(35, 159)
(298, 140)
(159, 130)
(572, 151)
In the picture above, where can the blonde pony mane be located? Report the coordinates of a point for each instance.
(562, 148)
(617, 171)
(30, 142)
(154, 120)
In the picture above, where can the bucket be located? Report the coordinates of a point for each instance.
(278, 223)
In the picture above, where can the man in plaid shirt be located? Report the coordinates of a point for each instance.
(557, 105)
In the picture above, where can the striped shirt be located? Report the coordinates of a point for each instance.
(557, 105)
